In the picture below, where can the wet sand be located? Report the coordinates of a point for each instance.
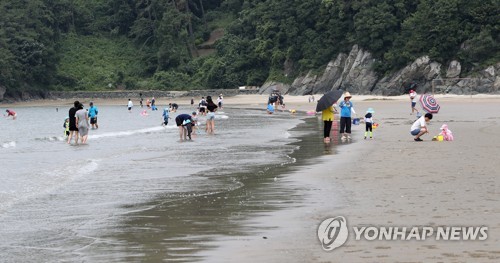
(390, 181)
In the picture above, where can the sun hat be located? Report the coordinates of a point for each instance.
(444, 127)
(370, 110)
(347, 95)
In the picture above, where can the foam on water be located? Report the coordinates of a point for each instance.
(131, 132)
(10, 144)
(44, 183)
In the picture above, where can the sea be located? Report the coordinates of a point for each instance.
(136, 192)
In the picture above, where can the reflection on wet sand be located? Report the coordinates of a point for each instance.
(176, 227)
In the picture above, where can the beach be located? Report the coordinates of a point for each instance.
(392, 181)
(388, 181)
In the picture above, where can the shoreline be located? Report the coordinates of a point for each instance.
(390, 181)
(248, 99)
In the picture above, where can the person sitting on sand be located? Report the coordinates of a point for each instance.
(419, 127)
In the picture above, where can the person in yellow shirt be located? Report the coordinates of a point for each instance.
(327, 116)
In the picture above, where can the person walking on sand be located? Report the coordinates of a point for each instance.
(93, 111)
(82, 122)
(73, 129)
(192, 102)
(413, 99)
(130, 105)
(346, 107)
(369, 122)
(328, 116)
(211, 108)
(11, 113)
(419, 127)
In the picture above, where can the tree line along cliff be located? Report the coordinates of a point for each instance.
(79, 45)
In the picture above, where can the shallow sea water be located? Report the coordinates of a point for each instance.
(135, 192)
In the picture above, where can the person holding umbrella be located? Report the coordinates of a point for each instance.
(327, 116)
(346, 107)
(325, 105)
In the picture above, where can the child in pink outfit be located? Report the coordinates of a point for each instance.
(446, 133)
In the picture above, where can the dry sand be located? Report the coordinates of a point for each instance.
(391, 181)
(388, 181)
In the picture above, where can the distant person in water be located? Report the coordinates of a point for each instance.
(192, 102)
(270, 108)
(130, 105)
(93, 111)
(165, 116)
(153, 104)
(211, 108)
(220, 101)
(173, 107)
(180, 121)
(11, 113)
(66, 127)
(73, 128)
(82, 122)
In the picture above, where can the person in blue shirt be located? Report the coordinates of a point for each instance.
(270, 108)
(165, 115)
(346, 107)
(93, 111)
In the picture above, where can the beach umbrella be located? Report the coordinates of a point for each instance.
(328, 99)
(429, 104)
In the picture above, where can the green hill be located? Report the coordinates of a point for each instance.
(89, 44)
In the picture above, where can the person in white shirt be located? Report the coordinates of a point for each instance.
(413, 99)
(130, 105)
(419, 127)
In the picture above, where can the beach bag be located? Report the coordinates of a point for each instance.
(355, 121)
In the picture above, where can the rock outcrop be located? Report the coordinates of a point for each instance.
(354, 72)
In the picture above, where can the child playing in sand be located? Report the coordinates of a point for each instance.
(446, 133)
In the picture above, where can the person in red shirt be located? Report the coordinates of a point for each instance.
(11, 113)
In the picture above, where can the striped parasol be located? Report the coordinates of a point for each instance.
(429, 104)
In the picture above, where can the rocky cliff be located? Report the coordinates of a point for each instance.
(354, 72)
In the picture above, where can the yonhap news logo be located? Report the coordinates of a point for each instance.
(333, 233)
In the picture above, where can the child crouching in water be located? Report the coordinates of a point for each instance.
(369, 122)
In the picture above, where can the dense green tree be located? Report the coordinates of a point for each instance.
(87, 44)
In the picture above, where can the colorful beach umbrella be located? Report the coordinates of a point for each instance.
(328, 99)
(429, 104)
